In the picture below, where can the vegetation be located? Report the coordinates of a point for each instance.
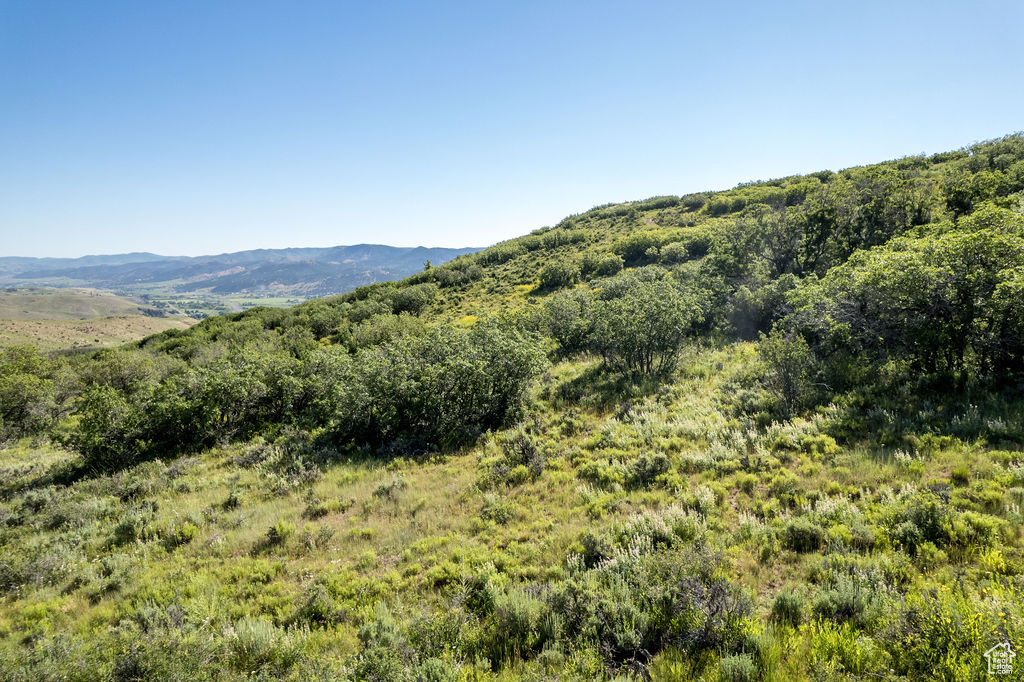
(771, 433)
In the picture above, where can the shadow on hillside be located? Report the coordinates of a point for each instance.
(601, 389)
(930, 420)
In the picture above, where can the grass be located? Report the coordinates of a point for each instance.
(99, 332)
(357, 533)
(46, 303)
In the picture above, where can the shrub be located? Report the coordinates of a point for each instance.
(960, 476)
(437, 391)
(498, 509)
(256, 643)
(803, 535)
(413, 299)
(502, 253)
(788, 369)
(514, 628)
(389, 489)
(279, 533)
(637, 247)
(33, 392)
(849, 600)
(182, 534)
(646, 468)
(558, 274)
(788, 608)
(601, 264)
(737, 668)
(318, 609)
(640, 332)
(569, 319)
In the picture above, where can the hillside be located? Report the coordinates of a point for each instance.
(770, 433)
(53, 319)
(47, 303)
(86, 334)
(292, 273)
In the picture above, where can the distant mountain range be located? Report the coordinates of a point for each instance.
(274, 272)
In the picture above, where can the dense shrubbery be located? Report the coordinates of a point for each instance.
(944, 303)
(640, 330)
(33, 392)
(637, 323)
(436, 389)
(557, 275)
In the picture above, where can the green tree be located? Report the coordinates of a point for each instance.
(640, 332)
(569, 319)
(558, 274)
(33, 392)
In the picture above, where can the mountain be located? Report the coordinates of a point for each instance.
(299, 272)
(769, 433)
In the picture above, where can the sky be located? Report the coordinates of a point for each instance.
(188, 128)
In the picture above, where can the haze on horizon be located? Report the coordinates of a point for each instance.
(204, 128)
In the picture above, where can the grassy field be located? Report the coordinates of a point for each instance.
(54, 319)
(48, 303)
(269, 561)
(98, 332)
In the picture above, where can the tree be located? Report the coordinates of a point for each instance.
(640, 332)
(32, 392)
(558, 274)
(569, 319)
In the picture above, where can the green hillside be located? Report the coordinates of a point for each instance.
(770, 433)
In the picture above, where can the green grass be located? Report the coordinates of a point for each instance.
(689, 526)
(414, 535)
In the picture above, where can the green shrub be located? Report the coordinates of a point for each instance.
(33, 389)
(849, 600)
(645, 469)
(498, 509)
(279, 533)
(569, 319)
(803, 535)
(437, 391)
(514, 628)
(960, 476)
(558, 274)
(639, 331)
(390, 488)
(737, 668)
(788, 608)
(318, 609)
(256, 643)
(601, 264)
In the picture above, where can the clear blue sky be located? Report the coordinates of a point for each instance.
(202, 127)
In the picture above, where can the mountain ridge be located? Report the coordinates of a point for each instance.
(294, 271)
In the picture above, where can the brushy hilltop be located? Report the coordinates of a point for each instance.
(771, 433)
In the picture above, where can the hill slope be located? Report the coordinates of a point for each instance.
(54, 319)
(769, 433)
(46, 303)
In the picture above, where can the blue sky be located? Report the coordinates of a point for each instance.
(187, 128)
